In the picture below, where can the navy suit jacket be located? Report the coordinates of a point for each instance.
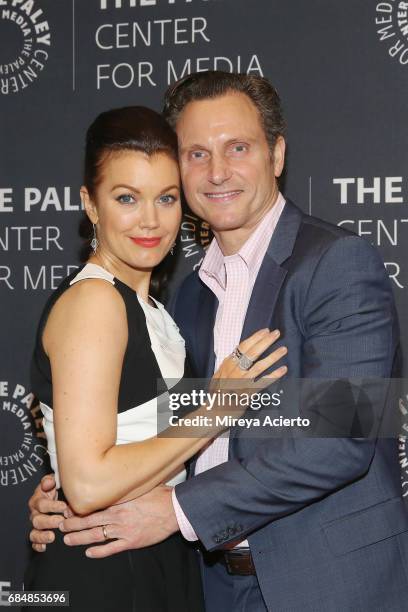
(324, 517)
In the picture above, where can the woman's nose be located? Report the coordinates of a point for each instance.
(149, 217)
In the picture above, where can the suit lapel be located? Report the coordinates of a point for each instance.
(264, 295)
(271, 274)
(204, 333)
(261, 308)
(202, 338)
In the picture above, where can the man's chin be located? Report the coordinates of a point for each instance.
(225, 225)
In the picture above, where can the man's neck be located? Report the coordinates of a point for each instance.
(231, 242)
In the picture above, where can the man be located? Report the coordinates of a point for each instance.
(286, 524)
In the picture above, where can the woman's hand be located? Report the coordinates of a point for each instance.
(253, 348)
(232, 378)
(231, 388)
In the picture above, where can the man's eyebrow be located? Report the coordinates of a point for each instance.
(240, 138)
(192, 146)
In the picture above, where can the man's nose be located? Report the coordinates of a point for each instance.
(219, 170)
(149, 218)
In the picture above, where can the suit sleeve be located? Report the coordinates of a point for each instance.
(350, 330)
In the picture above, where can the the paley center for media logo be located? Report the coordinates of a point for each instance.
(22, 438)
(391, 22)
(26, 35)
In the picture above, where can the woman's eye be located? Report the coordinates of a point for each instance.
(126, 198)
(167, 199)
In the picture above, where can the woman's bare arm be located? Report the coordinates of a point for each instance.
(86, 338)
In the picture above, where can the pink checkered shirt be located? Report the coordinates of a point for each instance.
(231, 278)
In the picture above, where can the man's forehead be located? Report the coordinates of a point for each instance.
(224, 118)
(230, 102)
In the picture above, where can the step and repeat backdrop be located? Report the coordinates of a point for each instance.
(341, 69)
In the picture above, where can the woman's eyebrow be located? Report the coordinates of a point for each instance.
(126, 186)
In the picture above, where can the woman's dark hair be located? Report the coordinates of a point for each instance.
(215, 83)
(131, 128)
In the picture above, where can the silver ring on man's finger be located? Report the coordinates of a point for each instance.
(244, 362)
(105, 535)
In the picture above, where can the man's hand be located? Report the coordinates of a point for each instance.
(44, 500)
(133, 524)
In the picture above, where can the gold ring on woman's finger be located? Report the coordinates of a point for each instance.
(105, 535)
(244, 362)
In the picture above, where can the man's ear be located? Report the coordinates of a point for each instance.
(279, 156)
(89, 205)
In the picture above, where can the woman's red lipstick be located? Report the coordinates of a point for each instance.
(148, 243)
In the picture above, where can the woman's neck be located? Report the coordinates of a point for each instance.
(138, 280)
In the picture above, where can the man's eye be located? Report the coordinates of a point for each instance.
(167, 199)
(126, 198)
(197, 154)
(240, 148)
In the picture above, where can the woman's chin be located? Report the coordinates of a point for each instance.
(147, 262)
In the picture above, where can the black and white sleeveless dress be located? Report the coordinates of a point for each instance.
(163, 577)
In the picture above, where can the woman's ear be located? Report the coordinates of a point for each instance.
(89, 205)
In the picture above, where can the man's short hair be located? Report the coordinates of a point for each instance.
(213, 84)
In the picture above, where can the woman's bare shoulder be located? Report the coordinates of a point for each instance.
(87, 306)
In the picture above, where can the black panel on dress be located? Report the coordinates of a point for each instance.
(140, 371)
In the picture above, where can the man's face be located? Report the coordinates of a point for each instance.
(228, 172)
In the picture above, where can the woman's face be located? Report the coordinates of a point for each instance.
(136, 208)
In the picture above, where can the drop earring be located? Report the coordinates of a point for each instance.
(94, 241)
(172, 249)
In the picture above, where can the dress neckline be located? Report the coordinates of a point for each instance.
(113, 277)
(144, 303)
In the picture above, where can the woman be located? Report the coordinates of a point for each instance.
(102, 345)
